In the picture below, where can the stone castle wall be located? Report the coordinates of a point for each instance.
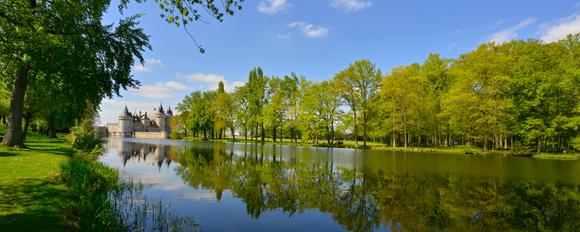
(151, 135)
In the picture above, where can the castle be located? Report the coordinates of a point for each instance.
(139, 125)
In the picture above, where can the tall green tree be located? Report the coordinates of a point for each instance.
(359, 87)
(436, 71)
(224, 110)
(275, 110)
(402, 94)
(293, 96)
(257, 84)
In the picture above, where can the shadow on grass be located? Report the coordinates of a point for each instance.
(7, 153)
(45, 140)
(32, 205)
(53, 150)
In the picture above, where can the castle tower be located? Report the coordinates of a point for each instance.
(168, 123)
(161, 120)
(125, 123)
(146, 121)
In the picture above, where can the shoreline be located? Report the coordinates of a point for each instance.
(382, 147)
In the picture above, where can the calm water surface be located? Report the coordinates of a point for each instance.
(249, 187)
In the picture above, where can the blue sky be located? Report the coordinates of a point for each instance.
(318, 38)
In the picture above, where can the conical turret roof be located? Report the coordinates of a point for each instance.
(160, 109)
(125, 113)
(169, 112)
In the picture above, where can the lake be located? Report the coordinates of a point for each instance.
(253, 187)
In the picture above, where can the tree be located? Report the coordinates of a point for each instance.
(276, 108)
(330, 103)
(257, 99)
(359, 86)
(242, 114)
(293, 96)
(224, 110)
(402, 93)
(436, 72)
(62, 40)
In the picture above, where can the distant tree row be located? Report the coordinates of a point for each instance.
(516, 95)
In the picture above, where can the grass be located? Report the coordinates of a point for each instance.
(574, 156)
(31, 196)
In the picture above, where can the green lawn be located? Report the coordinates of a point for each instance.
(31, 197)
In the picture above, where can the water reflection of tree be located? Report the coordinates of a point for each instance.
(362, 200)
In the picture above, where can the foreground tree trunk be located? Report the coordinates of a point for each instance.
(51, 127)
(13, 132)
(26, 125)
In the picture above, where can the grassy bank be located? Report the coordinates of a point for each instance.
(48, 186)
(380, 146)
(32, 198)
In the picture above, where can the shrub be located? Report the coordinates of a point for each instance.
(84, 138)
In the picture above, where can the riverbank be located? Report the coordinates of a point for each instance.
(32, 198)
(380, 146)
(49, 186)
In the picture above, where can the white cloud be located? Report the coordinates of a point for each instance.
(131, 104)
(309, 30)
(272, 6)
(232, 86)
(350, 5)
(283, 36)
(146, 67)
(510, 33)
(158, 90)
(211, 81)
(554, 32)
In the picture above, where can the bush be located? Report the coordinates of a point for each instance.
(84, 138)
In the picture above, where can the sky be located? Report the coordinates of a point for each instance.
(318, 38)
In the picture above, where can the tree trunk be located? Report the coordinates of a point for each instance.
(13, 132)
(51, 127)
(233, 133)
(263, 133)
(355, 131)
(274, 134)
(364, 131)
(26, 126)
(394, 139)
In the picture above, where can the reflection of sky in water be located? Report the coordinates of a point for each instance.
(226, 214)
(149, 162)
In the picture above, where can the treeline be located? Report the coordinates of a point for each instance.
(520, 95)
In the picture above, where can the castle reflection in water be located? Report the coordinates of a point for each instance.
(155, 154)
